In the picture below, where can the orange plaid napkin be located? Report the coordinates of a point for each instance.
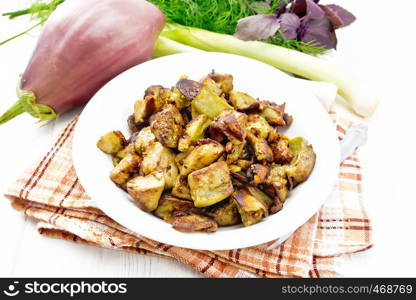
(51, 193)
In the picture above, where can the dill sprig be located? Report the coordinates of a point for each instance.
(39, 10)
(312, 47)
(215, 15)
(219, 16)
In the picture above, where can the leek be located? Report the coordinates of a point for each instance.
(291, 61)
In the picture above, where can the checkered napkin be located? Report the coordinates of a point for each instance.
(51, 193)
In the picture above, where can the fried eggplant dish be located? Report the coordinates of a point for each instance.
(202, 155)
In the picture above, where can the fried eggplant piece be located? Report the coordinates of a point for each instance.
(181, 188)
(234, 168)
(158, 92)
(257, 173)
(274, 205)
(216, 135)
(178, 99)
(303, 162)
(189, 88)
(151, 104)
(210, 184)
(212, 85)
(225, 213)
(155, 98)
(258, 126)
(208, 103)
(159, 158)
(232, 124)
(261, 148)
(241, 101)
(194, 222)
(194, 131)
(276, 183)
(143, 139)
(116, 160)
(244, 164)
(112, 142)
(224, 81)
(235, 152)
(201, 156)
(274, 113)
(167, 126)
(280, 147)
(146, 190)
(129, 149)
(250, 209)
(127, 168)
(132, 125)
(168, 205)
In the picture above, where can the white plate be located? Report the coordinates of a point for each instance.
(110, 107)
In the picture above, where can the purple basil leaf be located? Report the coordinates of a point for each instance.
(338, 16)
(281, 8)
(257, 27)
(289, 25)
(315, 26)
(300, 7)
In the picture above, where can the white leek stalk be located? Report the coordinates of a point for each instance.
(362, 101)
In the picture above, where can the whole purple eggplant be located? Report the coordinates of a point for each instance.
(84, 44)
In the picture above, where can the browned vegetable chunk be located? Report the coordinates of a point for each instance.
(303, 162)
(274, 113)
(211, 184)
(155, 97)
(236, 151)
(129, 149)
(132, 125)
(194, 222)
(167, 126)
(261, 148)
(208, 103)
(274, 205)
(158, 92)
(224, 81)
(112, 142)
(212, 85)
(240, 100)
(181, 188)
(178, 99)
(258, 173)
(143, 139)
(251, 209)
(189, 88)
(159, 158)
(146, 190)
(244, 164)
(126, 169)
(225, 213)
(168, 205)
(276, 183)
(280, 148)
(258, 126)
(201, 156)
(194, 131)
(232, 124)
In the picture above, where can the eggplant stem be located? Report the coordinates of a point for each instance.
(17, 109)
(27, 103)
